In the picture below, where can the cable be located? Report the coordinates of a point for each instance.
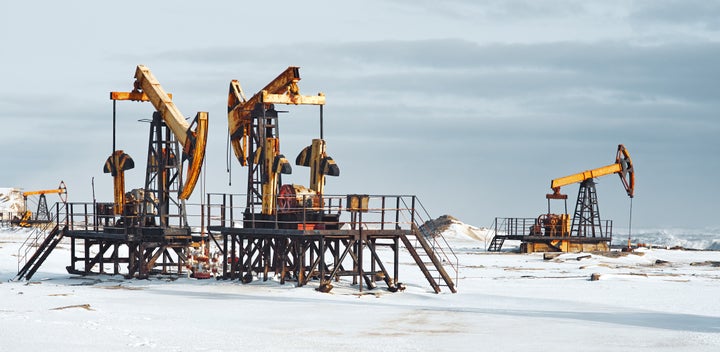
(630, 223)
(203, 189)
(228, 163)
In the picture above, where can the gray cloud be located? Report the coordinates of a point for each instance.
(695, 13)
(474, 106)
(497, 9)
(464, 68)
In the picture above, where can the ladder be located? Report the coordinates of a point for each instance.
(44, 248)
(498, 240)
(427, 259)
(430, 250)
(496, 243)
(44, 241)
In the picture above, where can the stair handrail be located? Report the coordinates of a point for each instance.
(443, 250)
(495, 225)
(39, 234)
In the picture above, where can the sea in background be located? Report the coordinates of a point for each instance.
(700, 239)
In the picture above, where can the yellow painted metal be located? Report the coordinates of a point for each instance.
(119, 194)
(566, 246)
(562, 245)
(565, 219)
(586, 175)
(44, 191)
(62, 189)
(148, 88)
(116, 165)
(623, 167)
(317, 179)
(311, 156)
(554, 223)
(238, 122)
(315, 157)
(134, 96)
(25, 221)
(270, 186)
(293, 99)
(239, 108)
(197, 155)
(274, 164)
(358, 202)
(281, 90)
(145, 80)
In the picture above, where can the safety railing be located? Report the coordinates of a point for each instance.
(517, 227)
(40, 232)
(98, 216)
(84, 216)
(367, 212)
(380, 212)
(438, 243)
(6, 218)
(513, 226)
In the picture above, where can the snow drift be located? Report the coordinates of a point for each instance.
(653, 300)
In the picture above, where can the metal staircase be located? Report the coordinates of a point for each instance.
(431, 251)
(500, 236)
(43, 242)
(496, 243)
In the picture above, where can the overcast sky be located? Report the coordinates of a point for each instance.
(473, 106)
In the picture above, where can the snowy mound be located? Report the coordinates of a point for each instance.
(455, 230)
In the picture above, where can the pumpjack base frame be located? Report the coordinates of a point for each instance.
(573, 244)
(106, 252)
(520, 229)
(322, 256)
(322, 250)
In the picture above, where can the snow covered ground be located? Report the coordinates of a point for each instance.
(652, 300)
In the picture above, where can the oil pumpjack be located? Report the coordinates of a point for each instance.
(295, 232)
(300, 233)
(148, 211)
(42, 215)
(146, 228)
(151, 221)
(253, 125)
(585, 231)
